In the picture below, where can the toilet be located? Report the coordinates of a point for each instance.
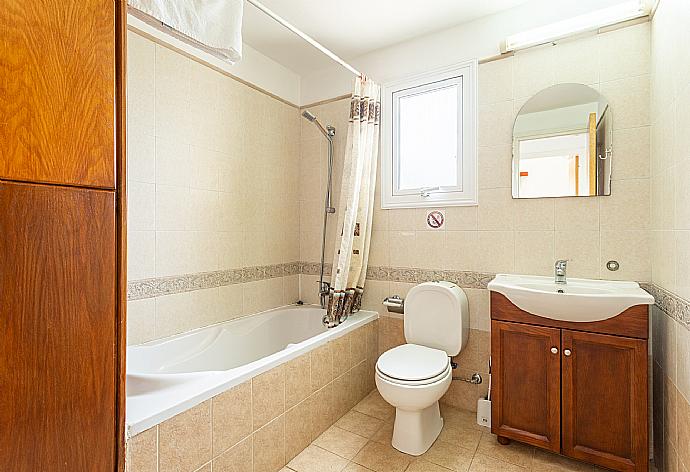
(414, 376)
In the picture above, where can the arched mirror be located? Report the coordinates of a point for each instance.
(562, 144)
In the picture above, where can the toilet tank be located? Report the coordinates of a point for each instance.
(437, 315)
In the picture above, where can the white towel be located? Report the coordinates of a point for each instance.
(212, 25)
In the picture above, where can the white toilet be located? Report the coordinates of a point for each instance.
(414, 376)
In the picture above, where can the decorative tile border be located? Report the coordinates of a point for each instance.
(159, 286)
(674, 306)
(411, 275)
(464, 279)
(670, 303)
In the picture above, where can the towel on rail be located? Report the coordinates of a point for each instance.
(214, 26)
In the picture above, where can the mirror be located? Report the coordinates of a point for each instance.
(562, 144)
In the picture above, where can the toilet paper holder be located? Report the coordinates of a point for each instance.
(394, 304)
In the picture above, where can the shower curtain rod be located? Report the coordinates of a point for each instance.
(304, 36)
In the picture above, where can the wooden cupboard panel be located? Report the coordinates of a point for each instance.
(58, 329)
(605, 400)
(526, 382)
(633, 322)
(57, 91)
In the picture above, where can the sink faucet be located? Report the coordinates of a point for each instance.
(561, 266)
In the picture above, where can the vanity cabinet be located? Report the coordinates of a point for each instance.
(579, 389)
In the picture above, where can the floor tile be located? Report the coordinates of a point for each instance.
(359, 423)
(450, 456)
(374, 405)
(385, 434)
(459, 436)
(420, 465)
(340, 442)
(548, 462)
(382, 458)
(315, 459)
(352, 467)
(514, 453)
(482, 463)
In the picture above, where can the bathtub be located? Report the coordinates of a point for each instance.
(169, 376)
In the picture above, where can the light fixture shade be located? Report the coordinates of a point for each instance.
(591, 21)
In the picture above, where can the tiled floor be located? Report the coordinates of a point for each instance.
(361, 442)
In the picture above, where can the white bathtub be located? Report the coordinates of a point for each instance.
(169, 376)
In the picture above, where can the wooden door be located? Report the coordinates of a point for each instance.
(605, 400)
(58, 329)
(526, 366)
(57, 92)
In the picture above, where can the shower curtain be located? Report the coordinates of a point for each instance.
(356, 203)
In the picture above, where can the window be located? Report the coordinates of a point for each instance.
(429, 155)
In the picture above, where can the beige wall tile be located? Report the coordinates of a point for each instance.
(534, 214)
(269, 446)
(496, 81)
(533, 71)
(185, 440)
(142, 451)
(321, 366)
(297, 380)
(340, 349)
(534, 252)
(141, 254)
(624, 52)
(576, 62)
(631, 249)
(140, 206)
(237, 459)
(299, 429)
(577, 214)
(627, 207)
(232, 417)
(268, 396)
(141, 321)
(581, 248)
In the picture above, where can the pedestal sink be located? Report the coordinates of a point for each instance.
(579, 300)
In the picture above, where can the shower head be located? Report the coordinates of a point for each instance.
(328, 131)
(308, 115)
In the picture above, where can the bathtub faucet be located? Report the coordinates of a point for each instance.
(324, 292)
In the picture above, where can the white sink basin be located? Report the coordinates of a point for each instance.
(580, 300)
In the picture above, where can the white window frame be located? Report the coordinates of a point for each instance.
(465, 194)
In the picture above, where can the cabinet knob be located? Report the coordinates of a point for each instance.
(567, 352)
(554, 350)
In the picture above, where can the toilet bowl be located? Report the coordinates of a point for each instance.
(414, 376)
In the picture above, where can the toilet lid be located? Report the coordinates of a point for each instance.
(413, 362)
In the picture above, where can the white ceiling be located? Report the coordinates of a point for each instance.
(354, 27)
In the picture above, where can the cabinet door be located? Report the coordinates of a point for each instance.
(526, 367)
(57, 329)
(57, 92)
(605, 400)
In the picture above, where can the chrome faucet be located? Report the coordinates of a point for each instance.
(561, 266)
(324, 292)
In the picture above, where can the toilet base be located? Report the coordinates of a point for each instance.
(415, 431)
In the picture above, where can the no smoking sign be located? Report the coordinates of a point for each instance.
(435, 219)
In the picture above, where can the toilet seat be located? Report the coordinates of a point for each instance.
(415, 383)
(412, 364)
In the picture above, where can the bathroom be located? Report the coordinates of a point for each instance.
(291, 245)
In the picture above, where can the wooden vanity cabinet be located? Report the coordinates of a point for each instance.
(581, 393)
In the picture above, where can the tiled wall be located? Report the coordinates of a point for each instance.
(670, 201)
(262, 424)
(502, 234)
(213, 169)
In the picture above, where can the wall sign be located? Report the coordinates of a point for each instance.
(435, 219)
